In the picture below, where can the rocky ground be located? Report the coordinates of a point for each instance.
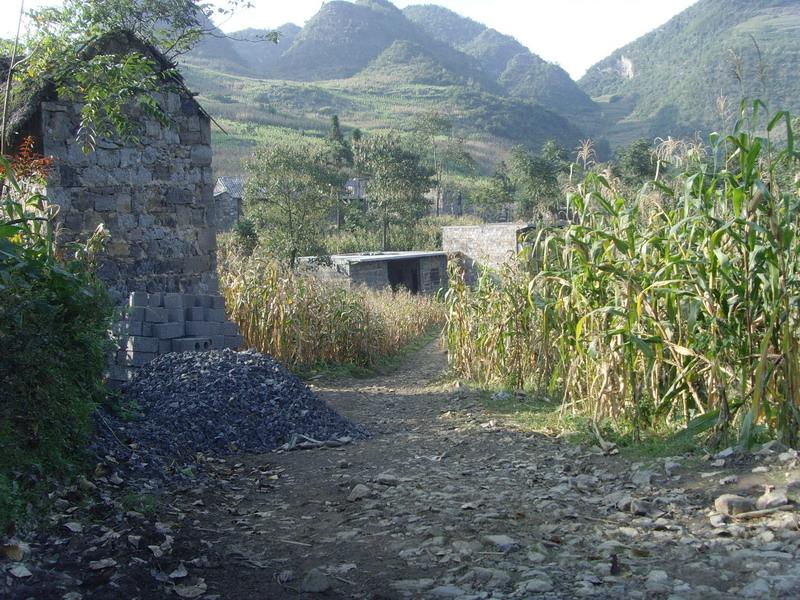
(441, 502)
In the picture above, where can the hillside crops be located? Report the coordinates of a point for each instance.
(678, 306)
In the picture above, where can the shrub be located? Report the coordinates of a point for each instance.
(54, 319)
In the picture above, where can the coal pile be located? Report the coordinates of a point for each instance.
(224, 402)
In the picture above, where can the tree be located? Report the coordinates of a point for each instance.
(429, 127)
(63, 47)
(342, 158)
(397, 182)
(637, 162)
(291, 189)
(495, 194)
(535, 180)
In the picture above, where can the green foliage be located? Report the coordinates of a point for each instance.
(425, 234)
(396, 183)
(245, 236)
(668, 308)
(637, 162)
(54, 319)
(535, 181)
(70, 45)
(290, 191)
(494, 196)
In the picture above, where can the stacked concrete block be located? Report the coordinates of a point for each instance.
(155, 324)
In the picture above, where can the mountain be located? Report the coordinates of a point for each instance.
(690, 74)
(245, 52)
(518, 72)
(378, 67)
(443, 24)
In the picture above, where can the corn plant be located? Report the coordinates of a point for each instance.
(305, 322)
(677, 306)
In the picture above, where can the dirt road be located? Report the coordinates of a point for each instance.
(445, 502)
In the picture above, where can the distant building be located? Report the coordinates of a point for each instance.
(355, 190)
(353, 197)
(228, 196)
(418, 272)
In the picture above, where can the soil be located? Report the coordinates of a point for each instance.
(441, 502)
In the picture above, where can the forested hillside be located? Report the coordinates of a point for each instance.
(379, 67)
(690, 74)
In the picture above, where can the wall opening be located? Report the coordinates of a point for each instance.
(404, 273)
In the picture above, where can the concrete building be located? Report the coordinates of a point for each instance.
(484, 246)
(418, 272)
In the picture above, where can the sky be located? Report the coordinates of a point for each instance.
(572, 33)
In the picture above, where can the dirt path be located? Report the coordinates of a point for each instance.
(443, 502)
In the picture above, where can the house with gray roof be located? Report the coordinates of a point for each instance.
(228, 198)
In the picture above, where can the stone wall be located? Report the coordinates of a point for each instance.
(373, 274)
(228, 211)
(488, 245)
(433, 274)
(154, 196)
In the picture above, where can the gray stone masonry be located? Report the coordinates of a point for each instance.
(158, 323)
(154, 197)
(433, 274)
(489, 245)
(371, 274)
(349, 271)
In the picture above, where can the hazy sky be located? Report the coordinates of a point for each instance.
(573, 33)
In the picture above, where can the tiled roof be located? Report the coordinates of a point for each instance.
(233, 185)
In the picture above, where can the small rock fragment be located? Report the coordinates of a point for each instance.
(387, 479)
(731, 504)
(718, 520)
(446, 591)
(179, 573)
(105, 563)
(73, 527)
(642, 478)
(771, 499)
(359, 492)
(20, 572)
(503, 543)
(315, 582)
(540, 583)
(657, 582)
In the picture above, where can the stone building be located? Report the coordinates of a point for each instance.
(228, 197)
(484, 246)
(153, 192)
(154, 195)
(418, 272)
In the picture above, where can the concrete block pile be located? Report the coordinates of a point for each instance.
(155, 324)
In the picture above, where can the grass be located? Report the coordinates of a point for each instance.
(532, 412)
(385, 365)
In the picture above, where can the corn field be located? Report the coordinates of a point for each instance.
(676, 307)
(304, 322)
